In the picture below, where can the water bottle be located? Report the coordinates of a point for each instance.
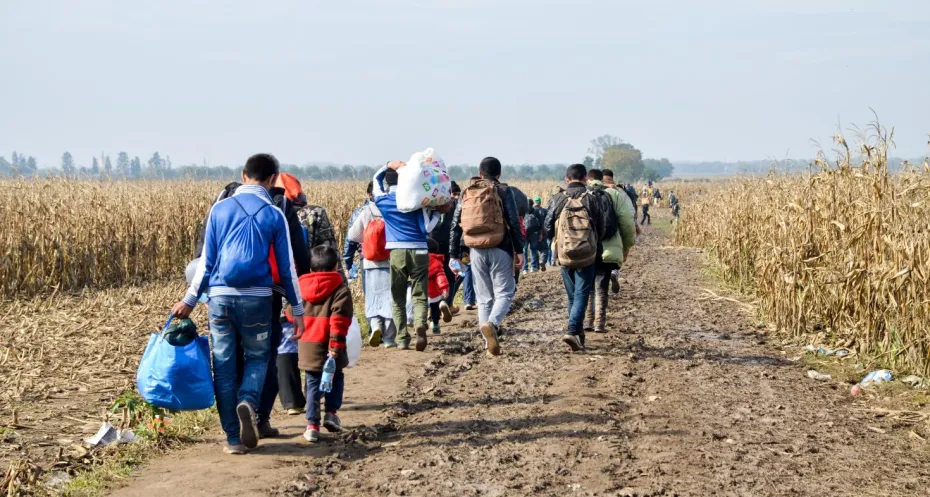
(329, 369)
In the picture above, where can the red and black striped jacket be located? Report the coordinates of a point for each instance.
(327, 315)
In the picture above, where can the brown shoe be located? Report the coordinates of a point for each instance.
(489, 332)
(421, 338)
(445, 311)
(455, 310)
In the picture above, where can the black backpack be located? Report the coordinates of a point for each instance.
(610, 215)
(531, 222)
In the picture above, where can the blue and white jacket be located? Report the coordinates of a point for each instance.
(403, 230)
(239, 235)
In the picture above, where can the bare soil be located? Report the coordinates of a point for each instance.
(685, 395)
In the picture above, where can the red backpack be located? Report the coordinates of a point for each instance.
(374, 240)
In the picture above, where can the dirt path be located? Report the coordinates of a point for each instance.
(681, 397)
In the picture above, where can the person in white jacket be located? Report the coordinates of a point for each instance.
(377, 280)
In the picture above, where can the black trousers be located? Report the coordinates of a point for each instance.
(290, 388)
(434, 312)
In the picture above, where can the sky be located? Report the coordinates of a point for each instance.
(528, 81)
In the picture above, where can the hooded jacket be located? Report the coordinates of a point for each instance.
(327, 315)
(438, 283)
(513, 230)
(592, 205)
(614, 249)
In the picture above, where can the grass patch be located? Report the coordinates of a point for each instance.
(116, 463)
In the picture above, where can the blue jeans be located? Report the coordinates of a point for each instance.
(314, 395)
(531, 252)
(578, 285)
(468, 286)
(239, 323)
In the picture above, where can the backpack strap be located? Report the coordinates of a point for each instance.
(247, 212)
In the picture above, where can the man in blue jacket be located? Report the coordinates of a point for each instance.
(234, 271)
(405, 236)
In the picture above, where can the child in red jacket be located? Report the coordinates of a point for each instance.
(438, 286)
(327, 315)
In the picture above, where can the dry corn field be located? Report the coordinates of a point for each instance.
(88, 270)
(842, 252)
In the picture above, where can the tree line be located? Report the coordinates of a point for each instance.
(605, 152)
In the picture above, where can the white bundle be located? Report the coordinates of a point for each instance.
(423, 182)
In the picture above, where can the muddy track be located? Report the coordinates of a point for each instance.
(683, 396)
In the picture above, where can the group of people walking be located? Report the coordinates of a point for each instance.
(263, 243)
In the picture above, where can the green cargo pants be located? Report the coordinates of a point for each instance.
(409, 265)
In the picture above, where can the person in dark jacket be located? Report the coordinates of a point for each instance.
(543, 242)
(578, 282)
(235, 271)
(493, 268)
(443, 236)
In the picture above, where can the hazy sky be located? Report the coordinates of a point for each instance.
(362, 82)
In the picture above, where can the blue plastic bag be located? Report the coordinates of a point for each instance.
(176, 378)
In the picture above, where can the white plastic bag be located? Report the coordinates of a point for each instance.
(354, 343)
(423, 182)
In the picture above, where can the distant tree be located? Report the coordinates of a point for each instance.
(135, 168)
(17, 166)
(627, 163)
(31, 166)
(656, 169)
(82, 172)
(601, 144)
(107, 166)
(156, 166)
(348, 172)
(67, 164)
(95, 168)
(332, 172)
(588, 162)
(6, 169)
(122, 164)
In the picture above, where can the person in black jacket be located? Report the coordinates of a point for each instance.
(442, 233)
(493, 268)
(578, 282)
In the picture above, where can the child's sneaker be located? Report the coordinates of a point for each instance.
(436, 330)
(446, 314)
(312, 434)
(331, 422)
(390, 344)
(295, 411)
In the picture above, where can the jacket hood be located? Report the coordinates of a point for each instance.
(596, 185)
(317, 287)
